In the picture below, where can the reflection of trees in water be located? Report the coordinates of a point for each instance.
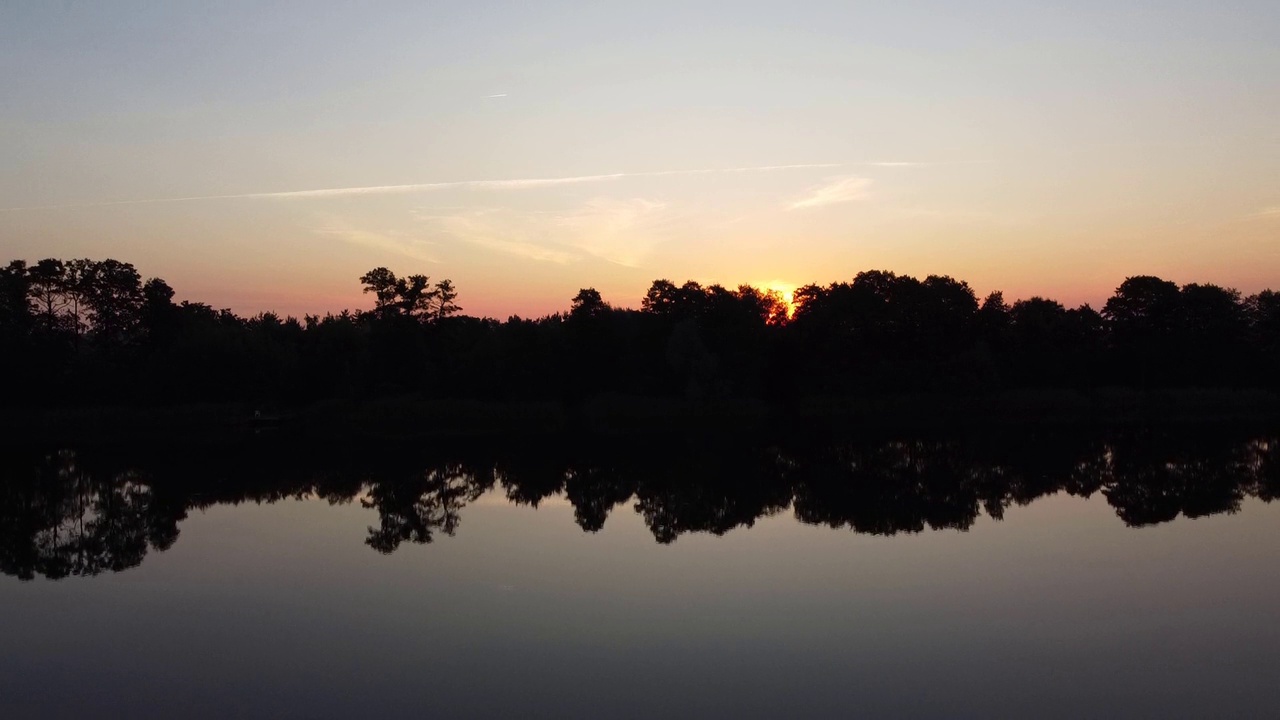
(906, 487)
(1262, 461)
(59, 517)
(413, 510)
(711, 490)
(1148, 485)
(65, 521)
(594, 492)
(886, 489)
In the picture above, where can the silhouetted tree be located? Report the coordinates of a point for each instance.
(112, 291)
(158, 314)
(47, 283)
(411, 296)
(1263, 312)
(91, 332)
(1212, 330)
(588, 304)
(16, 324)
(1142, 316)
(445, 294)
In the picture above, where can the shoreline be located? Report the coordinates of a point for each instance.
(407, 417)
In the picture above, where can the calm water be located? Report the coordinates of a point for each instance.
(1031, 575)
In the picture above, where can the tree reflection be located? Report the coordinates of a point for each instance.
(63, 520)
(886, 489)
(1147, 489)
(62, 515)
(594, 492)
(711, 488)
(413, 510)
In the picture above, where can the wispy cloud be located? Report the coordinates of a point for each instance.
(494, 230)
(521, 248)
(962, 215)
(394, 242)
(917, 163)
(496, 95)
(1270, 212)
(511, 184)
(839, 190)
(516, 184)
(520, 183)
(620, 231)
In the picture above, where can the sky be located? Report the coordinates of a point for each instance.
(263, 155)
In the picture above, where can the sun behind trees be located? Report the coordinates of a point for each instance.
(85, 332)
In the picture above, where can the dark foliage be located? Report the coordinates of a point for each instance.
(83, 513)
(83, 332)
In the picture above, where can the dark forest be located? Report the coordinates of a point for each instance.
(83, 332)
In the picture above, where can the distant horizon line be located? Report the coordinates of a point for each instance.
(776, 286)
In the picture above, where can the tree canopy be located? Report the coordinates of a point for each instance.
(87, 331)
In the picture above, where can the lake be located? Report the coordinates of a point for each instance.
(1036, 573)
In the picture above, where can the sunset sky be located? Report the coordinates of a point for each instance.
(262, 156)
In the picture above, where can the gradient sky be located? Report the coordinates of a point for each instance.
(1047, 148)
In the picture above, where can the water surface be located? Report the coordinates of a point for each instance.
(1042, 574)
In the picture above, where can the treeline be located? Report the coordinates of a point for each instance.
(93, 332)
(68, 513)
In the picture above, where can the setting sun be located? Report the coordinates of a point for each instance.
(786, 291)
(682, 358)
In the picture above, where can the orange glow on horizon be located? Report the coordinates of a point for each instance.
(786, 291)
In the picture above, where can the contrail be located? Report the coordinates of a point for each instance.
(515, 184)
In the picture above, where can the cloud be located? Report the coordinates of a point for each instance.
(513, 184)
(394, 242)
(518, 183)
(495, 230)
(913, 163)
(620, 231)
(520, 248)
(1266, 213)
(963, 215)
(496, 95)
(839, 190)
